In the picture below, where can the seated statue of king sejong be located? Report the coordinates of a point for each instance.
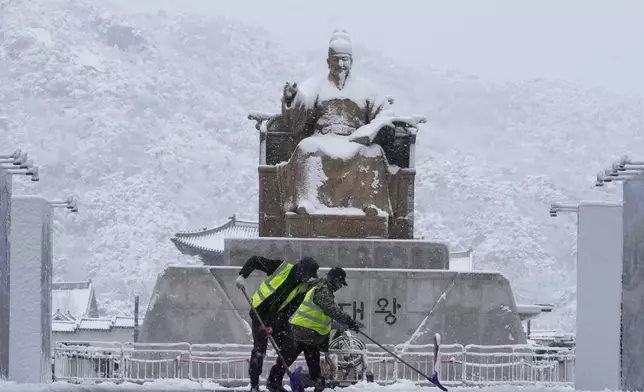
(337, 168)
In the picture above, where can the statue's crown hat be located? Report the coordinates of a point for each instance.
(340, 43)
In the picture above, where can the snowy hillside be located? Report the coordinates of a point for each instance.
(144, 118)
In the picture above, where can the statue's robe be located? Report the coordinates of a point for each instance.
(328, 173)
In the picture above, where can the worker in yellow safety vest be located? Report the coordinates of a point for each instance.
(277, 297)
(311, 326)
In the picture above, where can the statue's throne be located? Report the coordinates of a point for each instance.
(277, 145)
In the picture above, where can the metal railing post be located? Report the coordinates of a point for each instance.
(122, 364)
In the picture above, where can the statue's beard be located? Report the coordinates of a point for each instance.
(340, 77)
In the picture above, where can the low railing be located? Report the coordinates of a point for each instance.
(227, 364)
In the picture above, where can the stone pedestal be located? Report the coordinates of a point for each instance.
(331, 252)
(599, 296)
(632, 339)
(31, 272)
(199, 304)
(5, 226)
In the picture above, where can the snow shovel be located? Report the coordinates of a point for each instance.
(295, 377)
(434, 378)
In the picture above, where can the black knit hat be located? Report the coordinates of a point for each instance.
(310, 265)
(337, 273)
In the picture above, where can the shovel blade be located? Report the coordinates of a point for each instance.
(434, 380)
(295, 379)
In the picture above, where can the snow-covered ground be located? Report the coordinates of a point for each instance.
(186, 385)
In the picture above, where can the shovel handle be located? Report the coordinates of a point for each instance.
(394, 355)
(261, 323)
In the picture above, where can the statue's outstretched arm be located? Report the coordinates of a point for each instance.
(260, 118)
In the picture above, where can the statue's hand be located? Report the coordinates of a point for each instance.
(290, 91)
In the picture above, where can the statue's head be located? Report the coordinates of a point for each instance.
(340, 57)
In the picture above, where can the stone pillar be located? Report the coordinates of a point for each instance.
(632, 340)
(599, 296)
(5, 227)
(31, 269)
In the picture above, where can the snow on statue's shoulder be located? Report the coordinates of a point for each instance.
(307, 90)
(356, 89)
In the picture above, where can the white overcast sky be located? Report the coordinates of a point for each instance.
(595, 42)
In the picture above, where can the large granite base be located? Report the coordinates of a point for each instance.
(202, 305)
(330, 252)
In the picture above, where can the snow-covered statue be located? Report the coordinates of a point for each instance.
(342, 123)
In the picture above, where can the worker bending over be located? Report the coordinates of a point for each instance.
(277, 297)
(311, 326)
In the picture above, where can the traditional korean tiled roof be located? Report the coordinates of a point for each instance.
(194, 243)
(94, 324)
(124, 322)
(63, 326)
(60, 316)
(75, 299)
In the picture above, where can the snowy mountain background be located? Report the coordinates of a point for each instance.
(143, 117)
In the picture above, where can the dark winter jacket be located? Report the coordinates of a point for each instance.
(268, 310)
(324, 297)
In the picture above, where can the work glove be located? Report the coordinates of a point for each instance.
(339, 326)
(241, 283)
(355, 325)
